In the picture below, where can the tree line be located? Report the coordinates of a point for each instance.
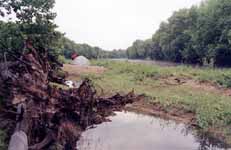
(69, 47)
(199, 35)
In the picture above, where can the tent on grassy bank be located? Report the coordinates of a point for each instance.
(80, 60)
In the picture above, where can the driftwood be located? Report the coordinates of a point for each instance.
(53, 114)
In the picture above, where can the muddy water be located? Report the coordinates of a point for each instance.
(131, 131)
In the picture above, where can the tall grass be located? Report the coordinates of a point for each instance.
(220, 77)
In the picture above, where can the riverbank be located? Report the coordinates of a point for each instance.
(199, 94)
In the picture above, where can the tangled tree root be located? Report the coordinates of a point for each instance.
(51, 115)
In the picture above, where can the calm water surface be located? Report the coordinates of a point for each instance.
(131, 131)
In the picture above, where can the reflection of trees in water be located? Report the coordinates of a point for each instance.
(209, 143)
(206, 141)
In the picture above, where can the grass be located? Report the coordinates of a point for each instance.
(212, 109)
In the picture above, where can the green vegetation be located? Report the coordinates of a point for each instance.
(211, 105)
(198, 35)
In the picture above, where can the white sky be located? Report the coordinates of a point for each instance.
(114, 24)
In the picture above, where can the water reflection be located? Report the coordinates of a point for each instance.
(131, 131)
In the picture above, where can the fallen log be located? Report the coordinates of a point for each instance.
(53, 114)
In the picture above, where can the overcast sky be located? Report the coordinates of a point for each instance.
(114, 24)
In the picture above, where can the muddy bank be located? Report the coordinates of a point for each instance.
(179, 115)
(156, 109)
(75, 71)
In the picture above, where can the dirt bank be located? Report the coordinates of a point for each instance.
(156, 109)
(74, 71)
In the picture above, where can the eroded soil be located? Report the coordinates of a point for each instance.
(75, 71)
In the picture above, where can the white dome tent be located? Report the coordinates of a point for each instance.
(81, 61)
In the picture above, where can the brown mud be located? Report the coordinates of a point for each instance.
(75, 71)
(156, 109)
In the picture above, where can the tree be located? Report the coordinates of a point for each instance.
(34, 21)
(222, 56)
